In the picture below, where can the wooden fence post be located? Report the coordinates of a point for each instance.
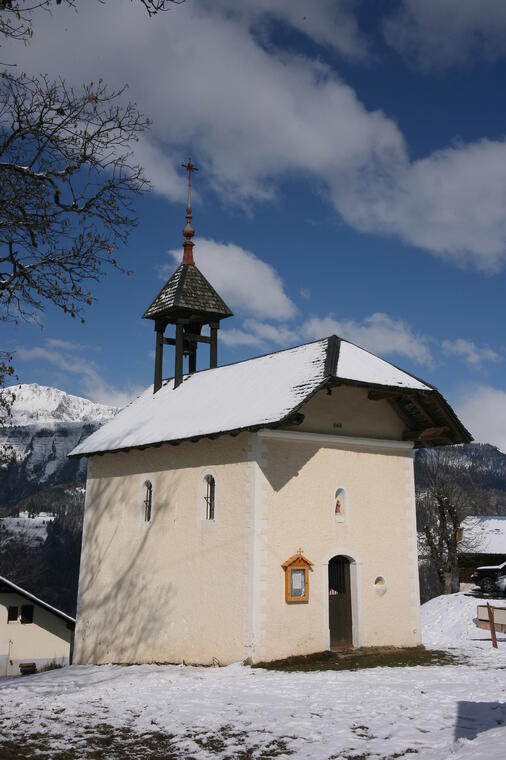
(492, 625)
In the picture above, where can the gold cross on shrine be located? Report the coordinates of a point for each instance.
(190, 167)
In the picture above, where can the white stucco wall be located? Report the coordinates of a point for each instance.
(347, 410)
(299, 474)
(174, 589)
(45, 641)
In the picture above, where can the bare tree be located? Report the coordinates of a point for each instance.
(67, 180)
(444, 499)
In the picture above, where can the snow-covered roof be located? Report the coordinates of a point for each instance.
(484, 534)
(13, 587)
(252, 393)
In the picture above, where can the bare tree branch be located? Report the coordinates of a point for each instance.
(16, 16)
(67, 178)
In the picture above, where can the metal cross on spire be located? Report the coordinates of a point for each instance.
(190, 167)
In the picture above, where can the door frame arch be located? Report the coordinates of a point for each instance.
(356, 597)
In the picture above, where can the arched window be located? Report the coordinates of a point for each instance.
(210, 496)
(148, 500)
(339, 504)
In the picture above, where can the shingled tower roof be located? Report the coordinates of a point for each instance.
(187, 291)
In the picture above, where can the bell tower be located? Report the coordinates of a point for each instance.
(188, 301)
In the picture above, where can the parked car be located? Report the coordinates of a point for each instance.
(501, 584)
(486, 576)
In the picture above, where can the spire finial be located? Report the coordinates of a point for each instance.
(188, 231)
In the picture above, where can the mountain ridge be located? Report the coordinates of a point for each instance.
(40, 404)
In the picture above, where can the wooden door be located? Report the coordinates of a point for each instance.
(340, 622)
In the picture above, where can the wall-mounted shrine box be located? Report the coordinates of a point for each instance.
(297, 578)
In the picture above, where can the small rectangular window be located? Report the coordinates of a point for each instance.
(12, 614)
(27, 613)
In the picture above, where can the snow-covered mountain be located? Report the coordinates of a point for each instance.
(42, 405)
(46, 424)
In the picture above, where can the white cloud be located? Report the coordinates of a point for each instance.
(260, 335)
(247, 284)
(280, 335)
(483, 412)
(470, 352)
(254, 114)
(378, 333)
(435, 34)
(57, 343)
(451, 203)
(235, 337)
(69, 362)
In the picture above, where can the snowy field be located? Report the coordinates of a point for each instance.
(32, 530)
(445, 712)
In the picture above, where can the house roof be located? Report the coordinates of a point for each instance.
(265, 392)
(7, 585)
(484, 534)
(187, 291)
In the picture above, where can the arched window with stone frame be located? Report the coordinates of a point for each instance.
(340, 505)
(209, 497)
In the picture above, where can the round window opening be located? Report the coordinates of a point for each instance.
(380, 581)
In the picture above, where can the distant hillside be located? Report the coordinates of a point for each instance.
(483, 471)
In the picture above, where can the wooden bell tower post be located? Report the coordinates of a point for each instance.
(188, 301)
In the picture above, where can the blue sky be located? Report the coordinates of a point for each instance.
(352, 179)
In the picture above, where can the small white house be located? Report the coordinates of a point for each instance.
(33, 634)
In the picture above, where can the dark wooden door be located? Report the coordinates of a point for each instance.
(340, 603)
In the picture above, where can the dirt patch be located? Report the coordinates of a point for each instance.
(366, 657)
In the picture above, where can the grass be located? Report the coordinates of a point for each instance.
(366, 657)
(115, 743)
(104, 741)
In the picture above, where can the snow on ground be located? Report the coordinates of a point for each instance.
(449, 622)
(451, 712)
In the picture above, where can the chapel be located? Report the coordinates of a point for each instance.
(256, 510)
